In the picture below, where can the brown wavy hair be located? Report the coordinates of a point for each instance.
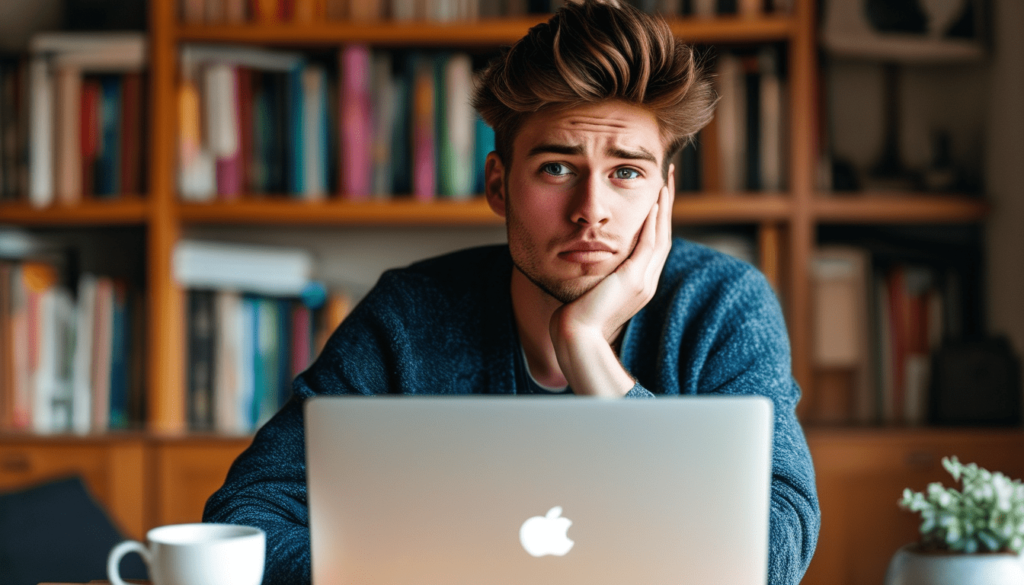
(590, 52)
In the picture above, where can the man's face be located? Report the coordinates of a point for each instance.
(581, 184)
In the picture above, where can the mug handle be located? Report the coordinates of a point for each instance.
(114, 559)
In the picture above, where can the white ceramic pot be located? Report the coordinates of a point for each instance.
(909, 567)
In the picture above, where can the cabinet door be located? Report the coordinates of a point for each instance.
(111, 471)
(187, 473)
(861, 476)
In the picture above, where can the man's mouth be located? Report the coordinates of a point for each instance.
(587, 252)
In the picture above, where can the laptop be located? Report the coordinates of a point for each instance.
(538, 490)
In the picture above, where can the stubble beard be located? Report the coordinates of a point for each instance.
(526, 258)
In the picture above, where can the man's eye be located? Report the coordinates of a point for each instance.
(627, 174)
(555, 169)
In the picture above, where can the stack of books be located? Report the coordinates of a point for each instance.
(86, 116)
(255, 321)
(68, 362)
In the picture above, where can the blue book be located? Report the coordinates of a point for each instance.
(262, 134)
(265, 356)
(284, 354)
(108, 163)
(483, 145)
(247, 403)
(296, 134)
(119, 361)
(401, 137)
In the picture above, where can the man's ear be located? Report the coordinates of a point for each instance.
(494, 183)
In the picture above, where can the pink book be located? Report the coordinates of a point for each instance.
(424, 155)
(301, 339)
(356, 123)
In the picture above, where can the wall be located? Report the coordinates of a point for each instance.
(1005, 174)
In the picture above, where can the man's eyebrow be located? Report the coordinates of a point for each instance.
(639, 154)
(566, 149)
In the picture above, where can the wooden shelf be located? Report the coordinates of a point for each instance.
(731, 208)
(898, 208)
(125, 210)
(481, 33)
(688, 208)
(335, 212)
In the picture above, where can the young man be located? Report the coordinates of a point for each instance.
(591, 295)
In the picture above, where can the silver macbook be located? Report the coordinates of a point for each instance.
(538, 490)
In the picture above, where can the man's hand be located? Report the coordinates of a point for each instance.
(584, 330)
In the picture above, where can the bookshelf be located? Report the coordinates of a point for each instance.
(785, 223)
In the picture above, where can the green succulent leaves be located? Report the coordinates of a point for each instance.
(987, 515)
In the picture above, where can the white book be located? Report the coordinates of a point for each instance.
(731, 122)
(81, 374)
(771, 147)
(249, 57)
(43, 376)
(197, 178)
(461, 123)
(219, 110)
(314, 160)
(41, 188)
(257, 269)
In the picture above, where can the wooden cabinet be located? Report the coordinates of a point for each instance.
(185, 473)
(862, 473)
(141, 481)
(112, 469)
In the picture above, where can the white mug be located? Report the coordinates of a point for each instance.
(196, 554)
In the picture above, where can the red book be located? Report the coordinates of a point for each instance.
(898, 316)
(302, 335)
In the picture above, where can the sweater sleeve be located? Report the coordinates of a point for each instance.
(749, 354)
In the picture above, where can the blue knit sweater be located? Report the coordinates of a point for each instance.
(445, 326)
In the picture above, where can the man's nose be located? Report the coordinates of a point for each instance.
(590, 202)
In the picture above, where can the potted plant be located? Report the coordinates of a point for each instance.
(968, 537)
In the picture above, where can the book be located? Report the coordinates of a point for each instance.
(385, 96)
(423, 132)
(103, 349)
(731, 122)
(81, 389)
(68, 141)
(315, 128)
(483, 145)
(259, 269)
(227, 378)
(107, 174)
(456, 128)
(133, 123)
(223, 135)
(356, 123)
(773, 122)
(201, 358)
(120, 342)
(41, 189)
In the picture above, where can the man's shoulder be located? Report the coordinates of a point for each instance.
(691, 261)
(454, 273)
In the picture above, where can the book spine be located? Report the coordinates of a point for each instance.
(132, 124)
(108, 175)
(355, 119)
(68, 126)
(424, 154)
(119, 359)
(41, 189)
(201, 359)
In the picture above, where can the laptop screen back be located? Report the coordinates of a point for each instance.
(513, 490)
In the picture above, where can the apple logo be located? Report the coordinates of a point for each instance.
(546, 535)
